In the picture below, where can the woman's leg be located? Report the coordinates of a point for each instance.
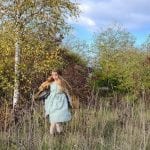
(59, 127)
(52, 128)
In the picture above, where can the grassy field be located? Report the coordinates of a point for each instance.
(125, 127)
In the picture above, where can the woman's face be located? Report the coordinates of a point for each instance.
(55, 75)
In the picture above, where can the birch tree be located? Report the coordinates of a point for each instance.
(46, 17)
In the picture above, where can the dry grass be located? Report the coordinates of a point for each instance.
(106, 128)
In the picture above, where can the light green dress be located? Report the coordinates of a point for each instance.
(56, 105)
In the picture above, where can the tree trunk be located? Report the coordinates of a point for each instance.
(16, 84)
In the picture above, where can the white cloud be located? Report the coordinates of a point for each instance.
(84, 8)
(133, 14)
(87, 21)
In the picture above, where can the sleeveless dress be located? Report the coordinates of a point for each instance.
(56, 105)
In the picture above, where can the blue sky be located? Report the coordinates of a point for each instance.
(134, 15)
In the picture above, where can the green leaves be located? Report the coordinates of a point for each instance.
(124, 67)
(36, 25)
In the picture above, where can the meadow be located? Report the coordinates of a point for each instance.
(101, 126)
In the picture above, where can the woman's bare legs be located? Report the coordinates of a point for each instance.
(52, 128)
(59, 128)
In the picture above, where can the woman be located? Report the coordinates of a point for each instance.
(56, 104)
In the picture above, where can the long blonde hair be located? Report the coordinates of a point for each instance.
(65, 85)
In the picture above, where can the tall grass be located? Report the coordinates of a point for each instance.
(125, 127)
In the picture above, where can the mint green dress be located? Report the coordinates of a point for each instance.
(56, 105)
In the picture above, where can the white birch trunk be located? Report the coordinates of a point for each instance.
(16, 84)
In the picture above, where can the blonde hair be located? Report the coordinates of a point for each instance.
(65, 85)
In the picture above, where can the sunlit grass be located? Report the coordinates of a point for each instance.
(104, 128)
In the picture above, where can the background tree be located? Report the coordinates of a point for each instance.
(121, 66)
(113, 38)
